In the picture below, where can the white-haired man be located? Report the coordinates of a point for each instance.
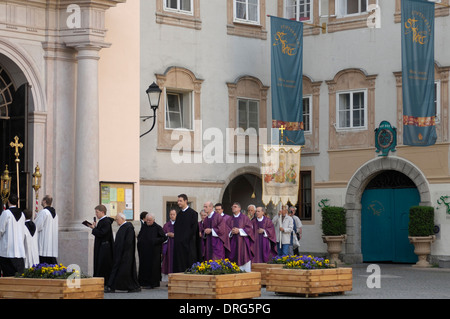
(124, 273)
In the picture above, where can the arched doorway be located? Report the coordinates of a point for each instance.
(356, 187)
(385, 207)
(13, 122)
(245, 189)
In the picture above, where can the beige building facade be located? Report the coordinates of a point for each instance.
(73, 80)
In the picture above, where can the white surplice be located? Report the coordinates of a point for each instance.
(47, 232)
(12, 235)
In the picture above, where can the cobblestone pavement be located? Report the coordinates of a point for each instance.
(396, 281)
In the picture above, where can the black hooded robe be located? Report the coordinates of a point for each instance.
(103, 248)
(150, 240)
(123, 273)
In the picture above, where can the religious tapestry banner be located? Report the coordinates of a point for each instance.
(280, 174)
(419, 111)
(287, 79)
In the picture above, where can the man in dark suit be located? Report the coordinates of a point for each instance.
(187, 248)
(103, 244)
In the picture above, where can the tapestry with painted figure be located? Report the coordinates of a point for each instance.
(280, 174)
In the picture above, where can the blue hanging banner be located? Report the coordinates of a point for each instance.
(287, 80)
(419, 112)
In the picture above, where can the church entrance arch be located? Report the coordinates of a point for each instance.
(357, 187)
(243, 186)
(13, 122)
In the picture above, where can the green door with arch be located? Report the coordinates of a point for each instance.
(385, 218)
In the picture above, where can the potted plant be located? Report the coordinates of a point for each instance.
(309, 275)
(214, 279)
(51, 281)
(334, 231)
(274, 262)
(421, 233)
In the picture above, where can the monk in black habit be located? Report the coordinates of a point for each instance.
(103, 244)
(123, 273)
(150, 240)
(187, 242)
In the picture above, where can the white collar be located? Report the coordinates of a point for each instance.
(260, 220)
(123, 224)
(236, 216)
(172, 221)
(183, 210)
(211, 215)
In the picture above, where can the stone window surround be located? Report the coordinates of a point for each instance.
(312, 88)
(247, 87)
(257, 31)
(176, 78)
(178, 18)
(440, 11)
(307, 30)
(351, 22)
(441, 75)
(350, 80)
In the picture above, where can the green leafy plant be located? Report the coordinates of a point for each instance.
(421, 221)
(333, 221)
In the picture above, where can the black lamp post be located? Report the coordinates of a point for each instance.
(154, 95)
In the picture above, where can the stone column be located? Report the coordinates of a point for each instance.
(76, 241)
(86, 195)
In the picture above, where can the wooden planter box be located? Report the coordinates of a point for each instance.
(31, 288)
(231, 286)
(310, 282)
(262, 268)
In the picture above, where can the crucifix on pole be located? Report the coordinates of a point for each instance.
(16, 146)
(282, 129)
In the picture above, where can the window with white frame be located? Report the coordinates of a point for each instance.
(179, 114)
(351, 110)
(299, 10)
(307, 114)
(351, 7)
(181, 6)
(437, 100)
(246, 11)
(248, 114)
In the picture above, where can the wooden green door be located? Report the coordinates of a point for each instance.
(384, 225)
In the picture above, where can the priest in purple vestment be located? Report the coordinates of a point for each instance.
(241, 238)
(265, 246)
(167, 249)
(215, 234)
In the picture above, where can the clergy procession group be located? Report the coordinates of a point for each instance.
(184, 241)
(25, 242)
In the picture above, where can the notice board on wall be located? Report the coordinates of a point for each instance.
(118, 198)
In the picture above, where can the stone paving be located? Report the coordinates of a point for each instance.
(396, 281)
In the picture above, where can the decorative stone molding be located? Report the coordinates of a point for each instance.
(357, 185)
(349, 80)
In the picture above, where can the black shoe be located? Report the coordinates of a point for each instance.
(109, 290)
(135, 290)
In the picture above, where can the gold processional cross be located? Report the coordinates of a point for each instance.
(282, 129)
(17, 145)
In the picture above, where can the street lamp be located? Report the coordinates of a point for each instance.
(154, 95)
(5, 185)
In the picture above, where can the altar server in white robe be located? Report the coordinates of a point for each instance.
(47, 231)
(31, 243)
(12, 238)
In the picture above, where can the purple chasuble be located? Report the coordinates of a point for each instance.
(167, 250)
(241, 246)
(215, 246)
(264, 248)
